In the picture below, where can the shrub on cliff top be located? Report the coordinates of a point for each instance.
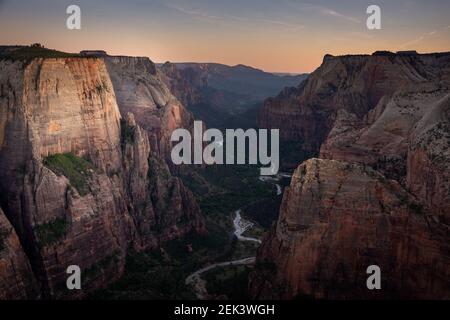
(74, 168)
(30, 52)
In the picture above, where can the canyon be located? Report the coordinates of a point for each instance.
(87, 178)
(377, 194)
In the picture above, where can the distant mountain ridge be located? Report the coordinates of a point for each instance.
(217, 93)
(243, 79)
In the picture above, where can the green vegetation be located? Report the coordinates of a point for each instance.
(97, 268)
(230, 281)
(51, 232)
(161, 274)
(74, 168)
(30, 52)
(148, 275)
(232, 187)
(220, 190)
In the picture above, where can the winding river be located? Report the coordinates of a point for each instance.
(240, 226)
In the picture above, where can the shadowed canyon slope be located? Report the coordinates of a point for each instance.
(81, 181)
(16, 277)
(379, 195)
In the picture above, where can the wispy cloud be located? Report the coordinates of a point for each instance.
(329, 12)
(288, 25)
(305, 7)
(412, 42)
(420, 38)
(191, 12)
(230, 18)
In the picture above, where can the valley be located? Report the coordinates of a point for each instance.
(184, 266)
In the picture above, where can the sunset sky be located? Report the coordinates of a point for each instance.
(282, 35)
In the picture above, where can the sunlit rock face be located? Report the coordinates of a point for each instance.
(75, 181)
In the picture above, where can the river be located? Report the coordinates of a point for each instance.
(240, 226)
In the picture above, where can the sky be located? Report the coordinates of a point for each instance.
(273, 35)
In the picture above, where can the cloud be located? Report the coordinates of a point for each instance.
(228, 18)
(268, 21)
(191, 12)
(306, 7)
(329, 12)
(421, 38)
(412, 42)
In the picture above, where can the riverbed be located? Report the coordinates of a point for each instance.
(240, 226)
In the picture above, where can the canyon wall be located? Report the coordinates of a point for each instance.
(337, 219)
(380, 193)
(77, 182)
(140, 90)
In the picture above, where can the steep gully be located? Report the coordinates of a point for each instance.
(240, 225)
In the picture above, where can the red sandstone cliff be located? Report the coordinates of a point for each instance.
(139, 89)
(373, 109)
(336, 219)
(76, 183)
(388, 113)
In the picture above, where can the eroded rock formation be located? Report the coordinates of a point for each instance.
(76, 183)
(140, 90)
(336, 219)
(380, 193)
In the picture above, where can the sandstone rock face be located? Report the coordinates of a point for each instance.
(337, 219)
(141, 91)
(175, 207)
(350, 100)
(16, 277)
(75, 182)
(428, 172)
(63, 106)
(184, 83)
(162, 208)
(380, 193)
(372, 110)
